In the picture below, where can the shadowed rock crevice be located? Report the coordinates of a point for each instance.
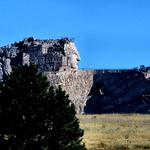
(124, 92)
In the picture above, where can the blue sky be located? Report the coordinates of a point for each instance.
(108, 33)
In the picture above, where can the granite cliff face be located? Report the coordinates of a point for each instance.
(92, 91)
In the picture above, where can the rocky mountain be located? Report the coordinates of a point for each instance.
(92, 91)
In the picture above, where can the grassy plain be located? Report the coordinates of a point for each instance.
(116, 131)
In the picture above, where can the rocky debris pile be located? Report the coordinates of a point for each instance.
(77, 84)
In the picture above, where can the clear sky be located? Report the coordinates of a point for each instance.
(108, 33)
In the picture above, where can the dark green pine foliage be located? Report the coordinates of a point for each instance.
(66, 133)
(34, 116)
(23, 103)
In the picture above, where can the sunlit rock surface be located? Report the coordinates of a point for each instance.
(92, 91)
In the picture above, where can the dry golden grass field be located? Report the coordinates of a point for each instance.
(116, 131)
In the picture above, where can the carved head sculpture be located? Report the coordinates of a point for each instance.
(72, 54)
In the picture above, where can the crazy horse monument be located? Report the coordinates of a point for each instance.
(92, 91)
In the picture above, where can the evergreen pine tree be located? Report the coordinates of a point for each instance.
(34, 116)
(66, 133)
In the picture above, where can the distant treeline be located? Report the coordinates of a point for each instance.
(142, 68)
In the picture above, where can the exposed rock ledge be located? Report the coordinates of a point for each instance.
(92, 91)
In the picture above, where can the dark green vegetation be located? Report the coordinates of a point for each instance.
(35, 116)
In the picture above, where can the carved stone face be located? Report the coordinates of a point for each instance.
(73, 55)
(74, 58)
